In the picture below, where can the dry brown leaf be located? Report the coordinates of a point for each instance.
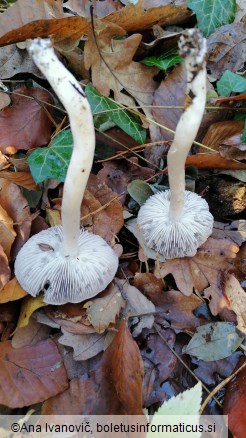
(140, 307)
(236, 231)
(15, 60)
(23, 179)
(31, 374)
(114, 387)
(233, 148)
(11, 291)
(178, 310)
(227, 49)
(4, 268)
(204, 271)
(211, 372)
(213, 161)
(12, 200)
(100, 8)
(104, 310)
(159, 363)
(237, 298)
(7, 232)
(25, 124)
(148, 283)
(33, 333)
(114, 62)
(84, 346)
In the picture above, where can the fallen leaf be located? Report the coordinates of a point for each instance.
(7, 232)
(30, 374)
(211, 372)
(212, 161)
(159, 363)
(219, 131)
(234, 402)
(29, 305)
(114, 387)
(11, 291)
(4, 268)
(237, 298)
(213, 341)
(236, 231)
(233, 148)
(4, 99)
(139, 308)
(23, 179)
(84, 346)
(177, 309)
(14, 60)
(104, 310)
(15, 204)
(186, 403)
(100, 9)
(226, 49)
(25, 124)
(203, 272)
(29, 335)
(148, 284)
(117, 65)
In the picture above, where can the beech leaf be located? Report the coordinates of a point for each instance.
(31, 374)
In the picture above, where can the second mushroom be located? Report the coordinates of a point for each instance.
(176, 222)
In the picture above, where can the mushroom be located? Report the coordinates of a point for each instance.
(69, 264)
(176, 222)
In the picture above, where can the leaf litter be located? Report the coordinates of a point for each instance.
(117, 353)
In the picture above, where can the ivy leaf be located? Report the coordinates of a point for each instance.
(243, 136)
(127, 122)
(230, 82)
(52, 161)
(163, 62)
(211, 14)
(140, 191)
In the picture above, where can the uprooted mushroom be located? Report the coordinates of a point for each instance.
(176, 222)
(68, 263)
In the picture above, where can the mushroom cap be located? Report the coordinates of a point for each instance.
(179, 238)
(41, 265)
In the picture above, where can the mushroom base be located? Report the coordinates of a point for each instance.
(41, 266)
(174, 239)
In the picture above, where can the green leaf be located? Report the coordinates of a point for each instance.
(52, 162)
(140, 191)
(213, 341)
(122, 118)
(238, 174)
(174, 412)
(163, 62)
(211, 14)
(230, 82)
(243, 136)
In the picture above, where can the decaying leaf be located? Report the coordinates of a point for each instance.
(103, 310)
(25, 124)
(31, 334)
(211, 372)
(140, 307)
(31, 374)
(7, 232)
(237, 297)
(203, 272)
(213, 341)
(29, 305)
(84, 346)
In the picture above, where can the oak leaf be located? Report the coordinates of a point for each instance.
(203, 272)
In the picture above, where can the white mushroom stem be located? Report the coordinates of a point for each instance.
(193, 47)
(75, 102)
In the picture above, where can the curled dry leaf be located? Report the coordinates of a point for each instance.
(234, 402)
(23, 179)
(4, 268)
(31, 374)
(237, 298)
(203, 272)
(218, 132)
(12, 200)
(11, 291)
(25, 123)
(7, 232)
(104, 310)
